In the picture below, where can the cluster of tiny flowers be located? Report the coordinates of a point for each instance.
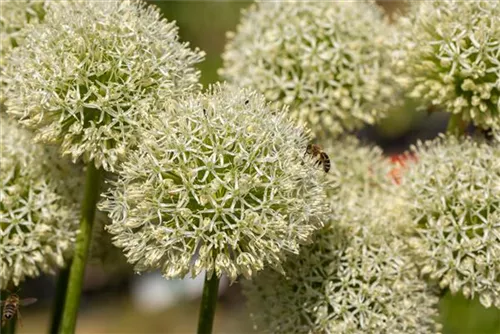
(357, 276)
(448, 54)
(220, 185)
(363, 167)
(327, 60)
(38, 210)
(454, 192)
(14, 16)
(87, 86)
(496, 136)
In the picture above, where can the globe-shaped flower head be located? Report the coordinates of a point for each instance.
(88, 75)
(325, 59)
(454, 191)
(38, 210)
(357, 275)
(448, 54)
(220, 185)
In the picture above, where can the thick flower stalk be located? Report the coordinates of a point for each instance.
(88, 86)
(357, 276)
(454, 196)
(220, 183)
(448, 55)
(38, 208)
(327, 60)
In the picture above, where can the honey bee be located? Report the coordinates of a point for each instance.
(316, 150)
(11, 307)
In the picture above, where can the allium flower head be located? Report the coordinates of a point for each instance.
(222, 185)
(14, 16)
(324, 59)
(38, 210)
(357, 275)
(448, 53)
(88, 75)
(454, 192)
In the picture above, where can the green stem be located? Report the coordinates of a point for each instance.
(77, 270)
(61, 286)
(208, 304)
(456, 125)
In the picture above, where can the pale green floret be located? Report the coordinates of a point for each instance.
(448, 54)
(357, 275)
(14, 16)
(496, 136)
(356, 169)
(221, 185)
(454, 196)
(38, 210)
(327, 60)
(93, 71)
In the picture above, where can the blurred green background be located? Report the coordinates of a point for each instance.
(108, 304)
(204, 25)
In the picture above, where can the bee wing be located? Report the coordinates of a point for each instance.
(27, 301)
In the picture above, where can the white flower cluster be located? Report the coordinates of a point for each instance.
(454, 192)
(89, 75)
(357, 276)
(38, 210)
(14, 16)
(496, 136)
(220, 183)
(363, 168)
(448, 54)
(327, 60)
